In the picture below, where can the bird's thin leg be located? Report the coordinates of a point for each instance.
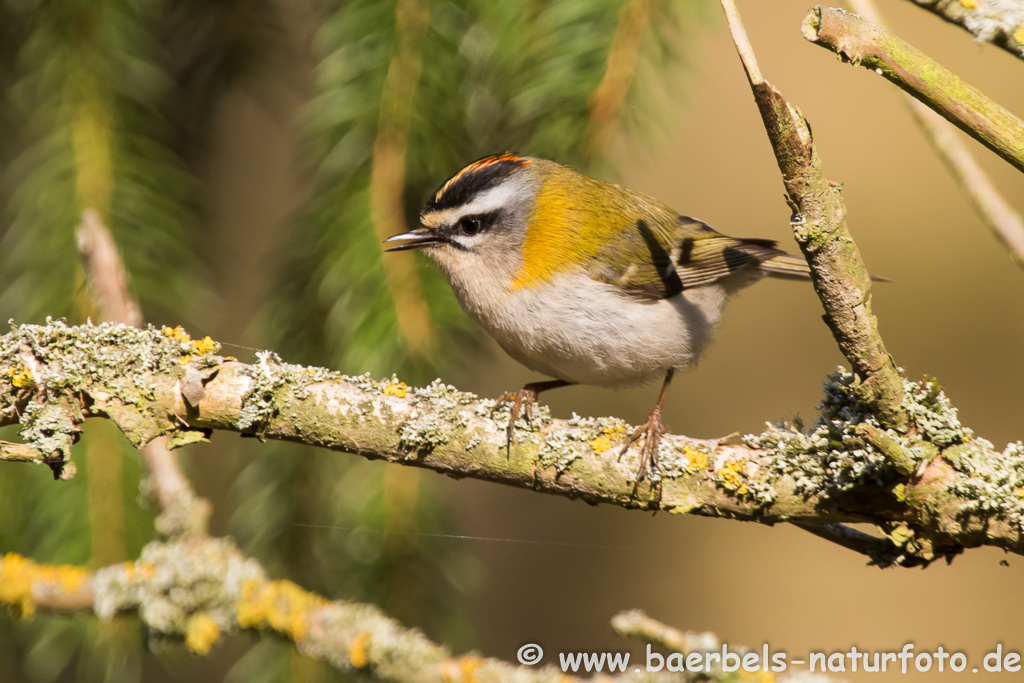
(652, 431)
(526, 396)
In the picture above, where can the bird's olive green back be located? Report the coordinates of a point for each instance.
(625, 238)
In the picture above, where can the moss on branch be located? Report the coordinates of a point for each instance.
(862, 43)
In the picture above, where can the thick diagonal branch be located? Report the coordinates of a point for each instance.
(819, 224)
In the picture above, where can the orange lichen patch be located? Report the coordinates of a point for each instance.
(21, 376)
(1018, 35)
(609, 434)
(969, 4)
(20, 575)
(461, 670)
(185, 360)
(698, 460)
(357, 653)
(204, 345)
(177, 332)
(201, 633)
(398, 389)
(16, 575)
(758, 676)
(229, 359)
(279, 605)
(133, 571)
(731, 476)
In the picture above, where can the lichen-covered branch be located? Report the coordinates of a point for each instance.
(1006, 223)
(840, 278)
(861, 42)
(199, 589)
(152, 383)
(1000, 22)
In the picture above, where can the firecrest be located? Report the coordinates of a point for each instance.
(583, 280)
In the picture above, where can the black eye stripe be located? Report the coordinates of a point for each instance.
(476, 223)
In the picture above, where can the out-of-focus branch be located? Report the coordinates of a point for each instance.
(154, 383)
(1005, 222)
(199, 589)
(871, 46)
(819, 224)
(636, 624)
(999, 23)
(105, 273)
(606, 100)
(182, 511)
(387, 177)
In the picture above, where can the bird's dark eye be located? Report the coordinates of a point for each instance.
(471, 225)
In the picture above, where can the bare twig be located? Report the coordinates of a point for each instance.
(1005, 222)
(871, 46)
(882, 551)
(999, 23)
(182, 511)
(19, 452)
(819, 224)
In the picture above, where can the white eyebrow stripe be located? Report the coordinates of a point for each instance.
(485, 202)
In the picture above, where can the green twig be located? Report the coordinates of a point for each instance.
(862, 43)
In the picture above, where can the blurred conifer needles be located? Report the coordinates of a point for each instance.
(106, 103)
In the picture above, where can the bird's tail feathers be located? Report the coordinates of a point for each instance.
(786, 266)
(791, 267)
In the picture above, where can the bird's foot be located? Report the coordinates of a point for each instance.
(652, 432)
(522, 403)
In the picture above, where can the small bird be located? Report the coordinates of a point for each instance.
(583, 280)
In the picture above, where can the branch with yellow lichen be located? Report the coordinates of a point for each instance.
(999, 23)
(200, 589)
(932, 492)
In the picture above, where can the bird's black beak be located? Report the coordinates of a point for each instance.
(417, 239)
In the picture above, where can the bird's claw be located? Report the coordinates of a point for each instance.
(652, 432)
(522, 402)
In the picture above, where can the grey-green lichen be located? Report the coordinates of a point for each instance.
(834, 454)
(260, 405)
(933, 415)
(423, 433)
(831, 454)
(58, 357)
(993, 484)
(172, 582)
(564, 447)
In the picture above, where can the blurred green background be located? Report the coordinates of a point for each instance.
(244, 154)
